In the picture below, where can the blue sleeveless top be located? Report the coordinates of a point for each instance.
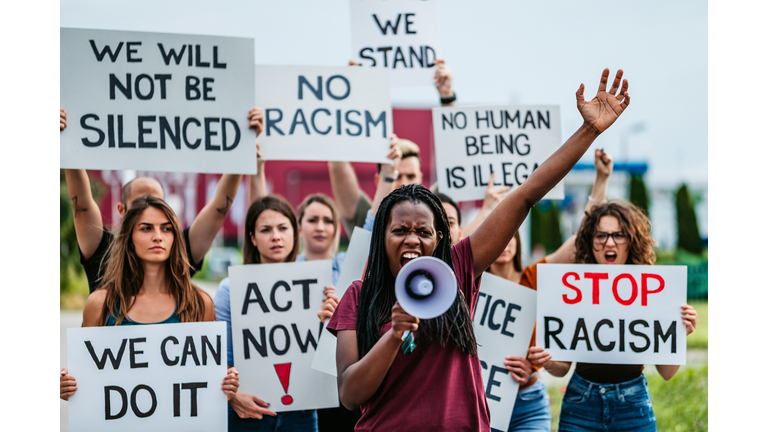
(111, 321)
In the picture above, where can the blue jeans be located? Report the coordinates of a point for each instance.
(589, 406)
(291, 421)
(531, 412)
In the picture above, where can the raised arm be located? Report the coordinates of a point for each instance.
(383, 188)
(444, 83)
(493, 196)
(490, 239)
(565, 254)
(88, 225)
(346, 189)
(257, 184)
(210, 219)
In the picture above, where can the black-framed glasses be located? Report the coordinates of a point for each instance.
(601, 237)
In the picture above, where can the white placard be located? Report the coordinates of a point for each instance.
(504, 318)
(156, 377)
(352, 270)
(617, 314)
(397, 35)
(510, 141)
(275, 332)
(318, 113)
(157, 102)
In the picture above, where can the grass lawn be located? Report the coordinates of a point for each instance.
(698, 339)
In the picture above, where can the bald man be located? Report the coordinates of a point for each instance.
(94, 239)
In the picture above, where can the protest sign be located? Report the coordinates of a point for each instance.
(320, 113)
(157, 102)
(617, 314)
(352, 270)
(503, 324)
(275, 332)
(471, 143)
(398, 35)
(151, 377)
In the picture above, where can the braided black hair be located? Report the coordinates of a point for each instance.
(377, 294)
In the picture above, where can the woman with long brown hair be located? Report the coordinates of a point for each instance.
(599, 394)
(147, 280)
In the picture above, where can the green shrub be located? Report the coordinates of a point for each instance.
(688, 237)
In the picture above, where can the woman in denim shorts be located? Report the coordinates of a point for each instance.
(609, 397)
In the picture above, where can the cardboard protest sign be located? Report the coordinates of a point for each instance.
(398, 35)
(151, 377)
(352, 270)
(157, 102)
(275, 332)
(320, 113)
(617, 314)
(471, 143)
(503, 322)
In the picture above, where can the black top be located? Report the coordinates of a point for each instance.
(608, 373)
(93, 266)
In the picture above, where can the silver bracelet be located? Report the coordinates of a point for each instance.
(596, 201)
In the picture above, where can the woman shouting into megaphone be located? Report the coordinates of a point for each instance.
(439, 386)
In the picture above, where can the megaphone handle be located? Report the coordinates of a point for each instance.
(405, 335)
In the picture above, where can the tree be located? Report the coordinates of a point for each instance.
(638, 194)
(688, 237)
(554, 233)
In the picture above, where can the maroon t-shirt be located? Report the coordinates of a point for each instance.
(441, 390)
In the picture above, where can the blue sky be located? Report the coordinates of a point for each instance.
(501, 52)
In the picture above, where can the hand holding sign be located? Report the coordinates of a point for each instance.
(249, 406)
(62, 119)
(538, 357)
(329, 305)
(605, 107)
(690, 319)
(67, 385)
(519, 367)
(256, 120)
(231, 383)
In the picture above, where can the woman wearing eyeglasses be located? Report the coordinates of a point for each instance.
(612, 233)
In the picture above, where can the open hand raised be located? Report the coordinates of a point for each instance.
(606, 106)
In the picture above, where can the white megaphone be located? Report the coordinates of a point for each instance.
(425, 287)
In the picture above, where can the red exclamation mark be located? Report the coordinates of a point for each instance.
(284, 374)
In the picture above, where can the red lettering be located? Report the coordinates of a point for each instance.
(644, 283)
(578, 291)
(596, 277)
(616, 289)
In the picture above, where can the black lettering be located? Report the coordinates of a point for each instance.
(207, 89)
(216, 64)
(553, 334)
(506, 173)
(106, 50)
(100, 140)
(384, 50)
(492, 325)
(143, 130)
(197, 142)
(509, 318)
(236, 141)
(165, 129)
(317, 91)
(261, 347)
(637, 333)
(151, 92)
(135, 407)
(108, 403)
(621, 335)
(484, 143)
(346, 83)
(373, 60)
(210, 133)
(253, 288)
(485, 309)
(199, 63)
(493, 383)
(542, 119)
(478, 119)
(580, 334)
(271, 123)
(508, 119)
(133, 352)
(388, 24)
(189, 349)
(166, 359)
(517, 177)
(162, 78)
(107, 354)
(272, 340)
(310, 339)
(458, 177)
(208, 346)
(273, 301)
(419, 56)
(473, 144)
(130, 51)
(658, 333)
(399, 57)
(304, 289)
(171, 54)
(192, 90)
(527, 145)
(114, 82)
(120, 143)
(600, 346)
(381, 119)
(296, 122)
(351, 122)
